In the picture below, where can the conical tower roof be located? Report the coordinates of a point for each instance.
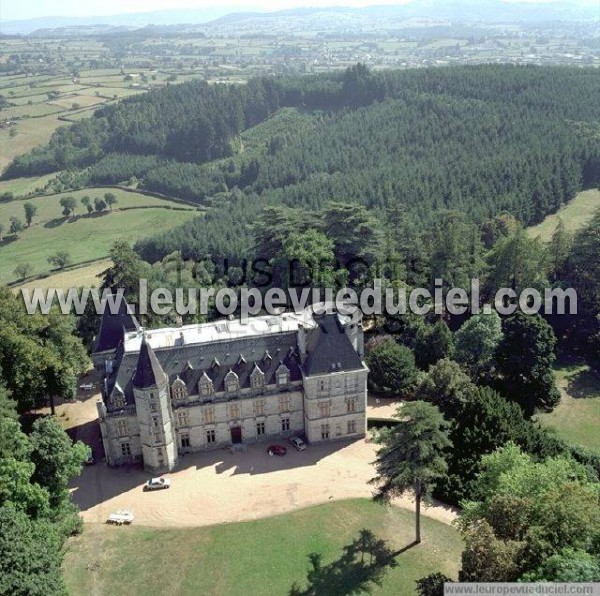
(149, 372)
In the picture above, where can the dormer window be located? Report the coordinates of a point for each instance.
(179, 392)
(257, 379)
(232, 383)
(283, 376)
(205, 386)
(118, 399)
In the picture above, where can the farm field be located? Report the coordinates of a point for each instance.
(84, 237)
(577, 417)
(267, 556)
(83, 276)
(574, 215)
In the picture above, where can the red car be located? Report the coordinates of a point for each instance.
(279, 450)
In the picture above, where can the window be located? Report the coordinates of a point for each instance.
(161, 455)
(285, 425)
(259, 407)
(324, 431)
(179, 391)
(324, 409)
(234, 411)
(183, 419)
(231, 383)
(157, 437)
(285, 403)
(125, 449)
(283, 376)
(351, 406)
(123, 428)
(118, 400)
(260, 428)
(185, 441)
(209, 416)
(257, 379)
(351, 427)
(205, 386)
(155, 421)
(210, 436)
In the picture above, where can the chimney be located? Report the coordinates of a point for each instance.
(302, 341)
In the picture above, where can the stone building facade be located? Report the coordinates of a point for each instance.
(172, 391)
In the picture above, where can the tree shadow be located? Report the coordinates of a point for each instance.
(57, 221)
(8, 240)
(362, 566)
(584, 384)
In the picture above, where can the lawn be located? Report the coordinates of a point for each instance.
(85, 237)
(263, 557)
(574, 215)
(577, 418)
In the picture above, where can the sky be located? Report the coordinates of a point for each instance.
(26, 9)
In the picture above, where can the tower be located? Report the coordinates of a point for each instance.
(154, 412)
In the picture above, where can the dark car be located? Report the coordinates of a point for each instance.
(279, 450)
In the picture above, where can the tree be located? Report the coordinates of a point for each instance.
(568, 566)
(477, 341)
(61, 259)
(57, 459)
(110, 199)
(16, 226)
(558, 249)
(525, 358)
(99, 205)
(392, 368)
(30, 555)
(432, 343)
(12, 133)
(68, 204)
(30, 212)
(87, 203)
(432, 584)
(517, 262)
(1, 231)
(412, 456)
(447, 387)
(527, 512)
(23, 270)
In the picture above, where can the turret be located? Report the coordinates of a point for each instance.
(154, 412)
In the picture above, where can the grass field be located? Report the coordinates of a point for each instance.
(85, 237)
(31, 132)
(577, 418)
(576, 214)
(84, 276)
(260, 557)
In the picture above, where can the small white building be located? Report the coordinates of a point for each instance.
(177, 390)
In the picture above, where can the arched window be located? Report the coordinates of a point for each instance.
(283, 376)
(232, 383)
(179, 392)
(257, 378)
(205, 386)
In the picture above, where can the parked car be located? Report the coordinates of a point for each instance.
(120, 517)
(279, 450)
(86, 386)
(298, 443)
(157, 484)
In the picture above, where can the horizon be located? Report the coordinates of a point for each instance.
(39, 9)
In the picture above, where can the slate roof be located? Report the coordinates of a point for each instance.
(216, 359)
(329, 349)
(112, 328)
(148, 372)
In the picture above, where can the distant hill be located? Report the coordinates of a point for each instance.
(457, 10)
